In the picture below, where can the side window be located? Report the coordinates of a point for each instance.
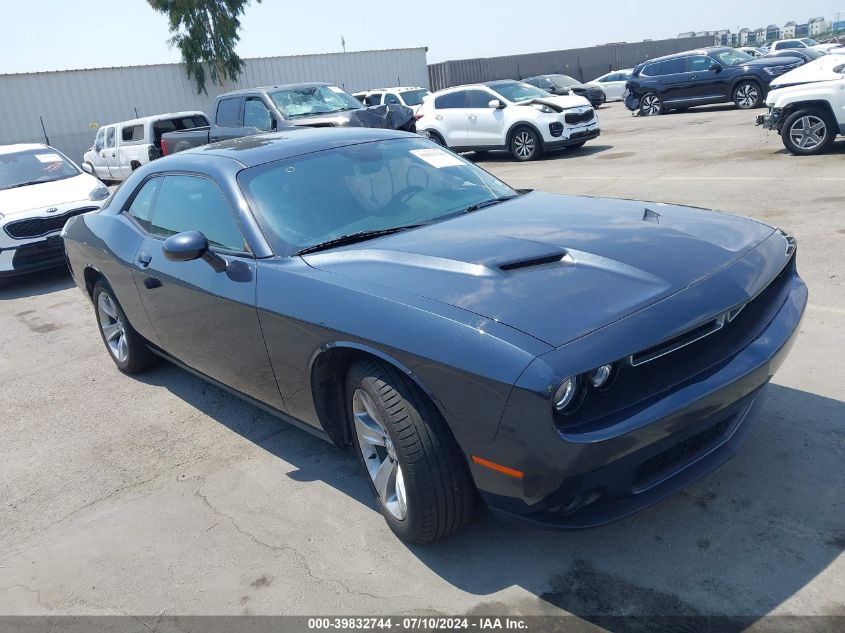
(110, 137)
(700, 63)
(651, 70)
(257, 115)
(451, 100)
(390, 98)
(228, 112)
(100, 139)
(673, 66)
(191, 203)
(132, 133)
(142, 205)
(374, 99)
(479, 99)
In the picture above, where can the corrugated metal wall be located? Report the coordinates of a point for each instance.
(69, 101)
(584, 64)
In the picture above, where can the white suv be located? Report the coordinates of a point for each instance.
(411, 96)
(508, 115)
(807, 106)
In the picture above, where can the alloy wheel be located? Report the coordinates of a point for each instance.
(379, 454)
(808, 132)
(746, 96)
(524, 144)
(651, 104)
(114, 331)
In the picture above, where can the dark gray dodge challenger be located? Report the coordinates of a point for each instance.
(568, 360)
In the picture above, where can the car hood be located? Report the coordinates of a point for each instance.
(47, 194)
(818, 70)
(554, 267)
(391, 117)
(767, 62)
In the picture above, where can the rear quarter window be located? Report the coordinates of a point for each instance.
(450, 100)
(650, 70)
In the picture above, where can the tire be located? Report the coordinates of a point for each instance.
(576, 145)
(408, 453)
(126, 347)
(525, 144)
(747, 95)
(819, 136)
(435, 137)
(651, 105)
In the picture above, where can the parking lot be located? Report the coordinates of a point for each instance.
(163, 494)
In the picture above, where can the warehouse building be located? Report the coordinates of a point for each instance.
(66, 107)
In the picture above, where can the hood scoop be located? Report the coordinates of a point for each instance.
(564, 259)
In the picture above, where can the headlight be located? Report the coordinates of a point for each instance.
(542, 108)
(101, 192)
(566, 394)
(774, 71)
(602, 377)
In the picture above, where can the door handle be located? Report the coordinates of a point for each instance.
(472, 117)
(439, 117)
(144, 259)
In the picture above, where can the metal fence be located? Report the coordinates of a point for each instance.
(583, 64)
(70, 102)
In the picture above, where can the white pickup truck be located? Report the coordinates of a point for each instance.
(120, 148)
(807, 106)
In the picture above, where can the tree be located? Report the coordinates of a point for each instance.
(206, 32)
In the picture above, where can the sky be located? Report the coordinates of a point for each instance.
(65, 34)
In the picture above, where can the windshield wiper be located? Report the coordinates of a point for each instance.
(352, 238)
(24, 184)
(488, 203)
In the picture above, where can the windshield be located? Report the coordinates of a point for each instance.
(562, 81)
(731, 57)
(516, 91)
(809, 41)
(414, 97)
(30, 167)
(299, 102)
(307, 200)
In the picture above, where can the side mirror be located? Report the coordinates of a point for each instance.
(495, 104)
(86, 167)
(190, 245)
(715, 67)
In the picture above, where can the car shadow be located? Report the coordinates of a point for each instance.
(37, 283)
(501, 156)
(740, 542)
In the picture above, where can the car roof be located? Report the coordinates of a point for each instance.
(307, 84)
(394, 88)
(250, 151)
(154, 117)
(14, 148)
(695, 51)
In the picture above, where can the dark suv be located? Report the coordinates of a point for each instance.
(717, 74)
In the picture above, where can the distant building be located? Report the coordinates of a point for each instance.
(818, 26)
(772, 32)
(687, 34)
(743, 36)
(760, 36)
(787, 31)
(802, 30)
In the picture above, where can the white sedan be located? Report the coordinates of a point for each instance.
(613, 83)
(40, 189)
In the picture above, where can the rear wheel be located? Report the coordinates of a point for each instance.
(807, 132)
(747, 95)
(126, 347)
(525, 144)
(651, 105)
(434, 136)
(419, 476)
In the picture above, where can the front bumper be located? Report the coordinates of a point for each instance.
(571, 484)
(31, 257)
(575, 137)
(770, 120)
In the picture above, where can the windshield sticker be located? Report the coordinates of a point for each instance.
(49, 158)
(437, 157)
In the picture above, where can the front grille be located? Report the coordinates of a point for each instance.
(583, 117)
(654, 470)
(39, 227)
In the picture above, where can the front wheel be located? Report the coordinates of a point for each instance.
(525, 144)
(651, 105)
(747, 95)
(126, 347)
(807, 132)
(419, 476)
